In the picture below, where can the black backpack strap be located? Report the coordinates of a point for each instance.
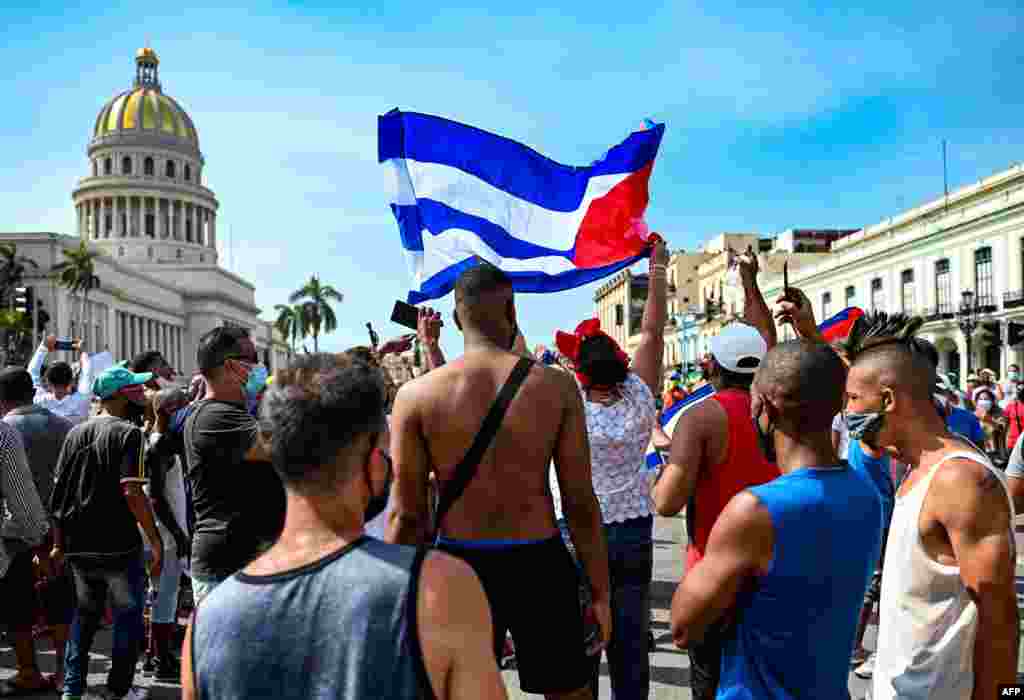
(466, 469)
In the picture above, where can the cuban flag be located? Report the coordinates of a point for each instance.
(835, 328)
(463, 194)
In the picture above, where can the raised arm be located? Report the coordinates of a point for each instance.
(35, 365)
(647, 359)
(971, 504)
(755, 309)
(85, 376)
(692, 440)
(429, 333)
(409, 521)
(740, 546)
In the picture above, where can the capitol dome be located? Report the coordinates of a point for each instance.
(145, 109)
(144, 200)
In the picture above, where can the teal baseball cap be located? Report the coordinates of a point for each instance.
(113, 379)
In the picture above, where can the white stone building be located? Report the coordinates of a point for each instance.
(921, 261)
(142, 205)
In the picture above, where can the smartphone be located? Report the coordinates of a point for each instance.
(64, 344)
(785, 286)
(405, 315)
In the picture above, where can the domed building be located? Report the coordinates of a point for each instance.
(144, 206)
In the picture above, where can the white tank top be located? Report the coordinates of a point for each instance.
(927, 620)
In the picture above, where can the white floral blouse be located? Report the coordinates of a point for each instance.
(619, 435)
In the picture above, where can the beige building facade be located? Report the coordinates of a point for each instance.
(143, 206)
(923, 260)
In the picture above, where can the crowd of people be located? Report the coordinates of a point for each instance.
(339, 536)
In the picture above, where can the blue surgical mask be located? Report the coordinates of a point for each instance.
(256, 382)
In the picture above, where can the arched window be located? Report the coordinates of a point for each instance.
(126, 165)
(95, 168)
(188, 172)
(170, 168)
(108, 166)
(147, 166)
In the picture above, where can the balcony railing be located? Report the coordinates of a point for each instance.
(1013, 299)
(987, 304)
(941, 312)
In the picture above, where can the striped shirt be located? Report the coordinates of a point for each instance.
(24, 523)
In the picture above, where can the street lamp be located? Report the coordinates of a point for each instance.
(967, 319)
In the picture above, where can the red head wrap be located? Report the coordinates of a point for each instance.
(569, 345)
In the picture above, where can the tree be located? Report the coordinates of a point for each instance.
(318, 298)
(292, 323)
(77, 274)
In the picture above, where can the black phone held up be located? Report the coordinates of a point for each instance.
(405, 315)
(785, 286)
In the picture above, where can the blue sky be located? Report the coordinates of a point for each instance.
(794, 115)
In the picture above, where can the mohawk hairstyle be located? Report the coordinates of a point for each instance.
(879, 328)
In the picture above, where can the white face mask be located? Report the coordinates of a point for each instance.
(984, 404)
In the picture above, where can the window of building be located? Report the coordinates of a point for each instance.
(108, 225)
(108, 166)
(188, 172)
(619, 320)
(877, 298)
(126, 165)
(686, 300)
(851, 296)
(95, 168)
(907, 291)
(150, 225)
(169, 170)
(983, 275)
(943, 290)
(202, 258)
(149, 252)
(120, 252)
(188, 230)
(147, 166)
(826, 305)
(179, 253)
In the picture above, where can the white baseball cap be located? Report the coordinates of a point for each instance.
(739, 348)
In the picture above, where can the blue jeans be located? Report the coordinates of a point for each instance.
(124, 580)
(165, 604)
(631, 569)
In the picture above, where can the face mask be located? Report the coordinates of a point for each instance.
(766, 441)
(984, 404)
(865, 426)
(1013, 374)
(256, 382)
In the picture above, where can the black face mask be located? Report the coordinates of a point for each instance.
(766, 441)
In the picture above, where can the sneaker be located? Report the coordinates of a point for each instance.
(168, 670)
(859, 657)
(866, 669)
(136, 693)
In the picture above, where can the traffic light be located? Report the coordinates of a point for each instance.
(22, 299)
(1014, 333)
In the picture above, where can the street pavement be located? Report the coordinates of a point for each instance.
(670, 673)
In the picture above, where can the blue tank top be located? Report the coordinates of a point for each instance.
(343, 627)
(796, 627)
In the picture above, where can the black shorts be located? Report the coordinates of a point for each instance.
(18, 592)
(533, 593)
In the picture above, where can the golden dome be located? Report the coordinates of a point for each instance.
(145, 109)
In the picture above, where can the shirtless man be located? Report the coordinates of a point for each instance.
(948, 623)
(503, 525)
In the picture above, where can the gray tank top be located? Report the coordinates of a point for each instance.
(343, 627)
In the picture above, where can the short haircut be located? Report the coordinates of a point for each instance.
(364, 354)
(218, 346)
(147, 361)
(478, 281)
(59, 374)
(734, 380)
(599, 360)
(315, 410)
(808, 380)
(928, 350)
(16, 386)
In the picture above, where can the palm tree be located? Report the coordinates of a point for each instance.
(318, 306)
(12, 270)
(77, 273)
(292, 323)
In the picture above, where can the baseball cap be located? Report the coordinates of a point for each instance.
(739, 348)
(113, 379)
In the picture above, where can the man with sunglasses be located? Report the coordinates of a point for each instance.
(237, 497)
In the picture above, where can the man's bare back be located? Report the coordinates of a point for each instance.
(509, 497)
